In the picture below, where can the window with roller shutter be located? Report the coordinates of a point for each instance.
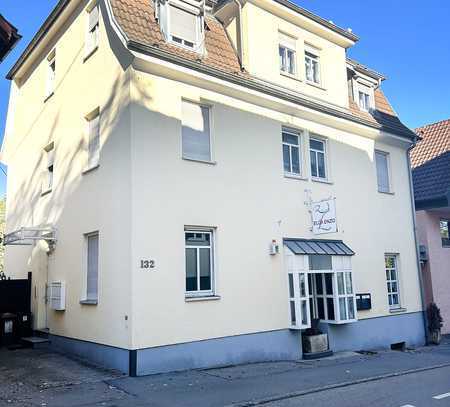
(196, 138)
(92, 31)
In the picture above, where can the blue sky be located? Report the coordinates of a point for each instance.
(407, 40)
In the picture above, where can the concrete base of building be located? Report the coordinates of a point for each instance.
(285, 344)
(258, 347)
(377, 333)
(101, 355)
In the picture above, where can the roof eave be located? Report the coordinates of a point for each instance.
(345, 33)
(366, 70)
(264, 88)
(15, 39)
(48, 23)
(439, 202)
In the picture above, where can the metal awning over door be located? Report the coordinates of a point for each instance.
(318, 247)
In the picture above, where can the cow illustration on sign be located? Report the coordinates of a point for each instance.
(324, 217)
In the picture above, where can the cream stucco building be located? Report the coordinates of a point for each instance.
(199, 181)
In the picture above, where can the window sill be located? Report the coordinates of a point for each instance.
(203, 298)
(315, 85)
(48, 97)
(293, 176)
(397, 310)
(90, 53)
(89, 302)
(290, 76)
(46, 192)
(199, 161)
(90, 169)
(386, 192)
(321, 180)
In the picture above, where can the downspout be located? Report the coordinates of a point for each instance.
(240, 35)
(416, 240)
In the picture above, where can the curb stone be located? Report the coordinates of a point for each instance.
(313, 390)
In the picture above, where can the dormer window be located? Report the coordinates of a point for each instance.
(182, 23)
(364, 100)
(364, 97)
(183, 27)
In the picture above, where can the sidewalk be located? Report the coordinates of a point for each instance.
(54, 380)
(258, 383)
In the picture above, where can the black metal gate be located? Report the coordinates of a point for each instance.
(15, 311)
(15, 296)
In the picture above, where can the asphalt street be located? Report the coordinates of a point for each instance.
(415, 378)
(424, 389)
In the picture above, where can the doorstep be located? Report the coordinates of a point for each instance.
(35, 342)
(317, 355)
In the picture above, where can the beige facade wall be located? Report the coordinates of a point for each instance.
(261, 33)
(144, 194)
(245, 195)
(79, 202)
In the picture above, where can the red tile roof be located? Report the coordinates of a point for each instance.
(430, 161)
(137, 19)
(8, 37)
(435, 141)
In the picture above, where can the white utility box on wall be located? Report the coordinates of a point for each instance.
(58, 295)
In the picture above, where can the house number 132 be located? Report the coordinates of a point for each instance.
(147, 264)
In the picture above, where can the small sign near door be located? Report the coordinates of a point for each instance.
(324, 217)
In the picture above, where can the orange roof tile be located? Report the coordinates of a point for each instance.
(435, 141)
(137, 19)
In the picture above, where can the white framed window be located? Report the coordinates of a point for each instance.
(318, 158)
(444, 228)
(93, 29)
(312, 65)
(199, 254)
(392, 280)
(51, 74)
(298, 291)
(364, 101)
(287, 54)
(291, 152)
(92, 261)
(49, 153)
(93, 139)
(346, 296)
(185, 26)
(364, 96)
(382, 166)
(196, 134)
(320, 287)
(331, 285)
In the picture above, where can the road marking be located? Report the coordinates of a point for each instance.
(407, 405)
(442, 396)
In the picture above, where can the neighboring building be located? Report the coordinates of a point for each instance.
(178, 153)
(430, 161)
(9, 37)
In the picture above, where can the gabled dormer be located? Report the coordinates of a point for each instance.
(182, 23)
(363, 82)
